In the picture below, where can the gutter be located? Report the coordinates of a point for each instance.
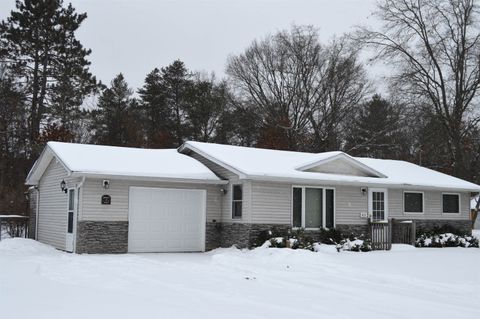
(263, 178)
(149, 178)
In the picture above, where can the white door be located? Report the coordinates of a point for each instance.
(378, 204)
(70, 238)
(166, 220)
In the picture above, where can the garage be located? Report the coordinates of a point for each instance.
(166, 220)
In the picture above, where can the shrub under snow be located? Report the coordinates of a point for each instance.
(446, 240)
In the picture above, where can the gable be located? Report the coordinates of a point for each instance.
(341, 164)
(41, 164)
(341, 167)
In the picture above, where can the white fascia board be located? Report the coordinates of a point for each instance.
(185, 145)
(41, 164)
(149, 178)
(308, 181)
(346, 157)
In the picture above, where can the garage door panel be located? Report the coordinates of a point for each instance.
(166, 220)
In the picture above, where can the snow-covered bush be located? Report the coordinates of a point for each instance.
(446, 240)
(355, 245)
(297, 239)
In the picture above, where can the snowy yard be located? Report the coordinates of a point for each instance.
(40, 282)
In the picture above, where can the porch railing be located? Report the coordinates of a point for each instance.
(384, 233)
(381, 235)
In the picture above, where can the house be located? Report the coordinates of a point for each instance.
(103, 199)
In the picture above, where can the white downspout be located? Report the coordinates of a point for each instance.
(37, 210)
(77, 191)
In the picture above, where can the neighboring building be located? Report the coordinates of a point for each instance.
(473, 213)
(102, 199)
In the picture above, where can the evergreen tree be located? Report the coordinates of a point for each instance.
(376, 131)
(13, 149)
(38, 42)
(206, 107)
(157, 116)
(116, 120)
(176, 80)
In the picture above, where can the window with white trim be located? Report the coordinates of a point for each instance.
(71, 209)
(237, 199)
(413, 202)
(313, 207)
(451, 203)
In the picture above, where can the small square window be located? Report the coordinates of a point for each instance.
(451, 203)
(413, 202)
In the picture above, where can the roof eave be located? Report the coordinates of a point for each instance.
(149, 178)
(188, 146)
(45, 157)
(295, 180)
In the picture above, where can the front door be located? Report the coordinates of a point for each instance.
(378, 204)
(70, 220)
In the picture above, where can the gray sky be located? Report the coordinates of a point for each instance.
(134, 36)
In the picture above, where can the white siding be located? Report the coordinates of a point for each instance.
(227, 198)
(93, 210)
(350, 203)
(271, 204)
(52, 219)
(338, 166)
(432, 205)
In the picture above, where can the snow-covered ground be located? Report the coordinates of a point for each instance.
(38, 281)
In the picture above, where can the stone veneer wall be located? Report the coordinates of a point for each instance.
(108, 237)
(462, 225)
(238, 234)
(112, 237)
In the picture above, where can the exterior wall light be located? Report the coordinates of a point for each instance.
(63, 186)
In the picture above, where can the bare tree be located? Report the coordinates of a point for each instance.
(301, 89)
(270, 74)
(341, 86)
(434, 46)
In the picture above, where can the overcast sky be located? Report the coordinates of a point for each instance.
(134, 36)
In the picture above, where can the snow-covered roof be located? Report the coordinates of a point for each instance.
(111, 161)
(275, 165)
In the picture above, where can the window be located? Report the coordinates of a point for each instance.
(71, 208)
(378, 206)
(313, 207)
(451, 203)
(413, 202)
(237, 195)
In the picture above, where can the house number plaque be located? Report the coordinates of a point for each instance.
(106, 200)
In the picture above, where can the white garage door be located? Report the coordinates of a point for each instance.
(166, 220)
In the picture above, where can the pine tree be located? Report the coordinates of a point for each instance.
(115, 122)
(376, 131)
(13, 149)
(158, 117)
(176, 80)
(38, 42)
(206, 107)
